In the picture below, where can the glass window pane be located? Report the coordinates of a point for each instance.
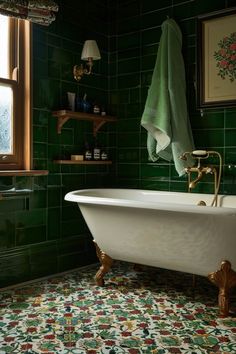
(4, 45)
(6, 112)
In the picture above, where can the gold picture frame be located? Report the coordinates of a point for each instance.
(216, 59)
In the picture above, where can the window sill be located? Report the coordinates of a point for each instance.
(23, 173)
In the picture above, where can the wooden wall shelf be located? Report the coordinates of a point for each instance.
(63, 116)
(84, 162)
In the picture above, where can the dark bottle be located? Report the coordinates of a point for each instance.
(86, 104)
(96, 151)
(104, 155)
(88, 152)
(96, 109)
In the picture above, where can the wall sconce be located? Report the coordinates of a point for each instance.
(89, 53)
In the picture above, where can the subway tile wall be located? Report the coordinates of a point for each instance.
(40, 233)
(135, 29)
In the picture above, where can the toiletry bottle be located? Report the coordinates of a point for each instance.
(103, 111)
(86, 104)
(87, 152)
(71, 101)
(96, 151)
(104, 155)
(96, 109)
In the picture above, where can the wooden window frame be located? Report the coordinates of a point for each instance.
(20, 81)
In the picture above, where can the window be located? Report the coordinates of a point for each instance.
(15, 94)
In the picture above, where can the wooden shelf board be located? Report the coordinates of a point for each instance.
(23, 173)
(64, 115)
(84, 162)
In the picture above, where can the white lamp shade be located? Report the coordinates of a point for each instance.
(90, 50)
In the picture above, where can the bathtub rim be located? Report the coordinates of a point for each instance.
(77, 197)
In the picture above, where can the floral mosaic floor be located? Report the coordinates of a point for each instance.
(148, 311)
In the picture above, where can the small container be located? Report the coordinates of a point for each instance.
(87, 153)
(96, 152)
(77, 157)
(103, 111)
(96, 109)
(71, 101)
(104, 155)
(86, 104)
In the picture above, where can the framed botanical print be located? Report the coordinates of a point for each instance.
(216, 59)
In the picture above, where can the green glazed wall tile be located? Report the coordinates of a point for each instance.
(154, 18)
(230, 155)
(128, 183)
(30, 235)
(150, 37)
(72, 245)
(128, 66)
(41, 68)
(41, 117)
(30, 218)
(155, 171)
(11, 205)
(230, 137)
(230, 119)
(148, 62)
(40, 150)
(130, 24)
(128, 9)
(130, 40)
(40, 51)
(38, 199)
(54, 196)
(128, 155)
(15, 266)
(54, 223)
(209, 138)
(128, 140)
(128, 170)
(72, 261)
(40, 134)
(72, 228)
(39, 35)
(208, 121)
(178, 187)
(128, 53)
(128, 125)
(7, 231)
(128, 81)
(152, 5)
(155, 185)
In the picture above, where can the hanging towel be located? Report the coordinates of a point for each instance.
(165, 114)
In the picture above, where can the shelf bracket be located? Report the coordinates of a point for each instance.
(97, 126)
(60, 122)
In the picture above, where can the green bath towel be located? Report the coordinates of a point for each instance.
(165, 114)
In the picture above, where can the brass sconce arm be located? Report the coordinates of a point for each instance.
(90, 53)
(80, 70)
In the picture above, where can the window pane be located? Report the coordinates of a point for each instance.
(4, 45)
(6, 135)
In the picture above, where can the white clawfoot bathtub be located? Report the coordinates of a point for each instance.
(163, 229)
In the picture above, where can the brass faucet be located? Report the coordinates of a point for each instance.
(202, 170)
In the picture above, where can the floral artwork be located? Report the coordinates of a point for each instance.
(149, 311)
(225, 57)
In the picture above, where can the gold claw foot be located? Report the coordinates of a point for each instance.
(225, 279)
(106, 263)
